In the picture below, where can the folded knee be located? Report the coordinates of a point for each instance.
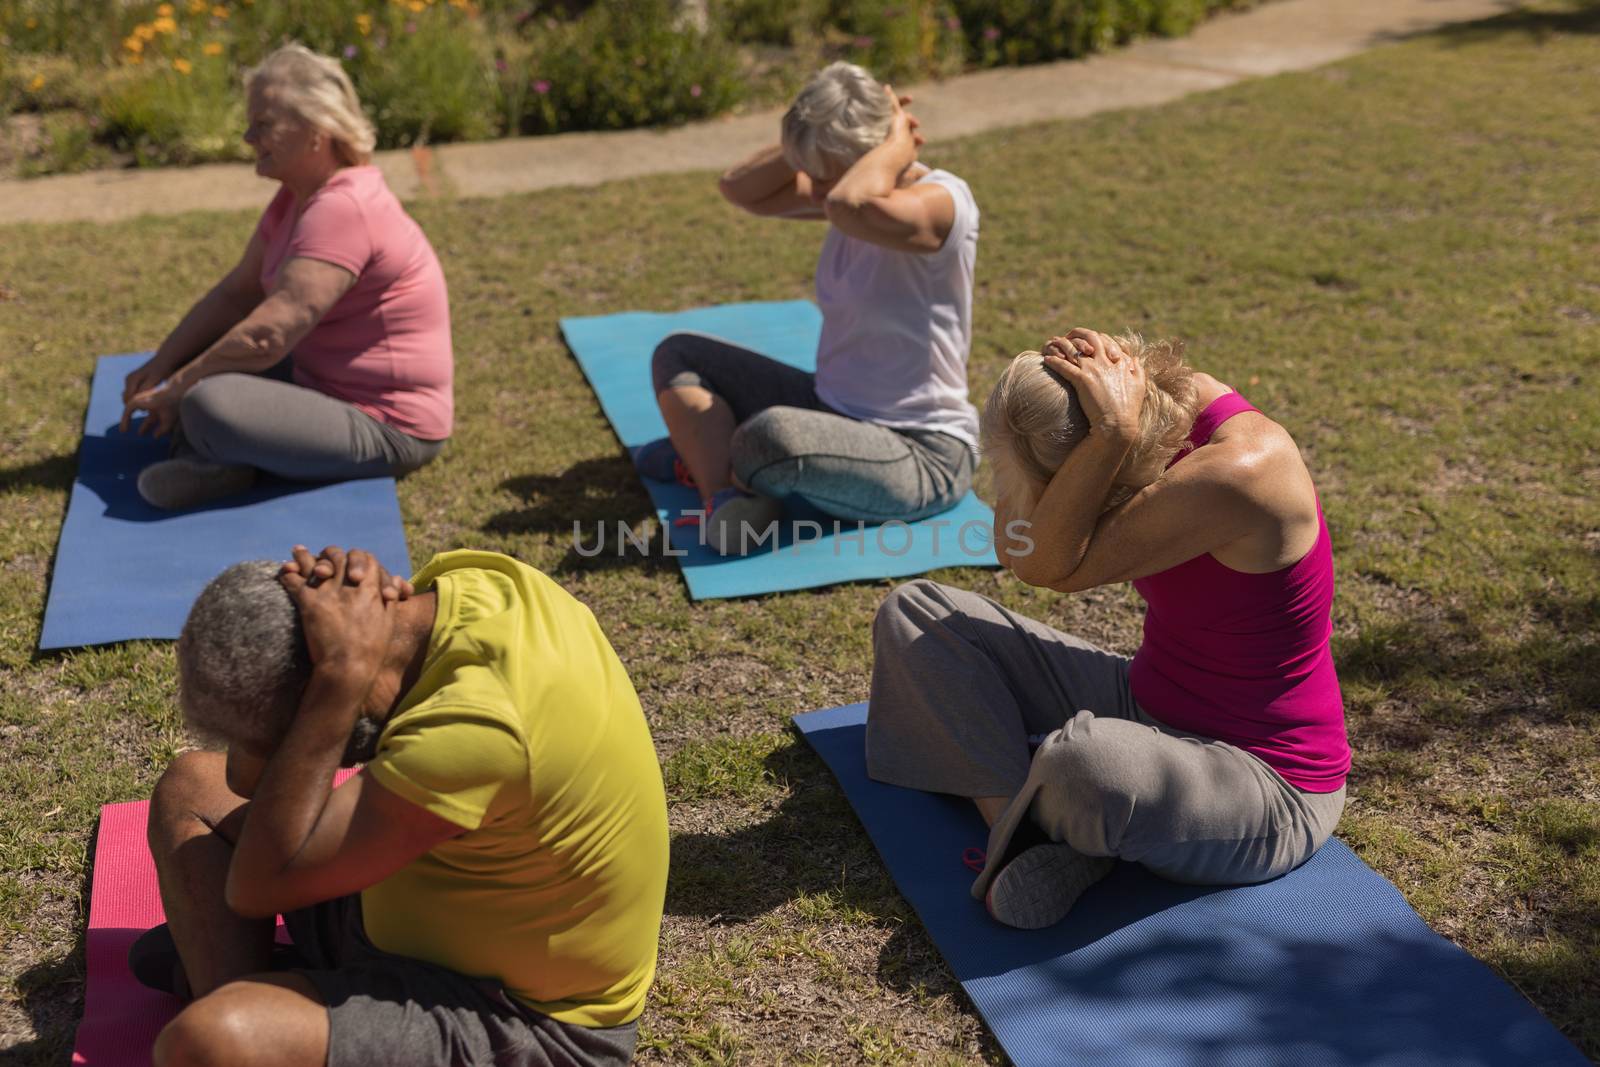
(211, 1032)
(667, 362)
(183, 791)
(1087, 785)
(909, 609)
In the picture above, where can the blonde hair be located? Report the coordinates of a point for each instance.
(317, 89)
(1033, 420)
(842, 114)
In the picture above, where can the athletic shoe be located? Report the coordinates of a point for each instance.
(189, 481)
(153, 959)
(659, 461)
(739, 523)
(1041, 885)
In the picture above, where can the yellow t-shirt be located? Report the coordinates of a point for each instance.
(525, 729)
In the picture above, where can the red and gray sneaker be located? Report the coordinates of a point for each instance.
(659, 461)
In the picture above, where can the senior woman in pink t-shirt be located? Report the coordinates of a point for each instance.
(325, 353)
(1217, 754)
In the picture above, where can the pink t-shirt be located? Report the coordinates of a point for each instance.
(385, 346)
(1245, 658)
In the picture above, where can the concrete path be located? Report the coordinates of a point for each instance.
(1276, 37)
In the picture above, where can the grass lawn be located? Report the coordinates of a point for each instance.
(1394, 256)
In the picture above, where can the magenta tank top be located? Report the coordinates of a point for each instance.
(1245, 658)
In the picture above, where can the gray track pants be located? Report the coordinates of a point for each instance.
(789, 443)
(960, 684)
(264, 421)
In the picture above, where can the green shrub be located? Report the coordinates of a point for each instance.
(625, 63)
(428, 82)
(1031, 31)
(67, 144)
(189, 113)
(45, 83)
(899, 40)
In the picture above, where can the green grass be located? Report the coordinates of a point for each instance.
(1394, 256)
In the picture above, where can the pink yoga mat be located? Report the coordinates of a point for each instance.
(121, 1018)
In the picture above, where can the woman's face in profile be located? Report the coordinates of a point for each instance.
(282, 140)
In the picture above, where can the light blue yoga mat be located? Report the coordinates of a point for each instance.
(614, 352)
(1325, 967)
(126, 570)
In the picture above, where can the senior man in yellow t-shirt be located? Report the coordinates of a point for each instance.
(488, 891)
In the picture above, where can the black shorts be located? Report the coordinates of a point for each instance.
(400, 1012)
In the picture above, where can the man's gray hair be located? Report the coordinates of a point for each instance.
(242, 658)
(842, 114)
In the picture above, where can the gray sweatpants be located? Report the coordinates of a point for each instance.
(264, 421)
(959, 687)
(789, 443)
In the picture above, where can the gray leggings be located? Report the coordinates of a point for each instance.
(789, 443)
(960, 685)
(263, 421)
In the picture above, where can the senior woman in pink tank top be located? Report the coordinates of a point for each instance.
(1217, 754)
(325, 353)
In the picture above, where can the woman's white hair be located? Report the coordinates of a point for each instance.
(317, 89)
(1033, 421)
(842, 114)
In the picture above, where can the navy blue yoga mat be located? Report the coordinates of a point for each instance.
(614, 352)
(125, 570)
(1325, 967)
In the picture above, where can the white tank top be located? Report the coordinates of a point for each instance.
(897, 326)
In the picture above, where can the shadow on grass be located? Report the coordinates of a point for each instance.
(51, 992)
(575, 505)
(52, 472)
(1464, 678)
(1538, 24)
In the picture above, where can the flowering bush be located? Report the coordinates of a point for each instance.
(160, 81)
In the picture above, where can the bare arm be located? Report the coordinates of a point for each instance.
(869, 203)
(305, 291)
(305, 841)
(229, 301)
(766, 185)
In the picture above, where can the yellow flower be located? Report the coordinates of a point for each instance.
(182, 66)
(415, 6)
(198, 7)
(364, 23)
(219, 12)
(133, 44)
(165, 11)
(212, 48)
(144, 32)
(164, 25)
(37, 83)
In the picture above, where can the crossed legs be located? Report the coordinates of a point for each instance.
(242, 1017)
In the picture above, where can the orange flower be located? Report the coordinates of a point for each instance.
(144, 32)
(219, 12)
(198, 7)
(364, 23)
(164, 25)
(212, 48)
(133, 44)
(37, 83)
(165, 10)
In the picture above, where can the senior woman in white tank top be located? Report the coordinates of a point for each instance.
(883, 430)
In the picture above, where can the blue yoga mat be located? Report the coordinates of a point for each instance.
(126, 570)
(614, 352)
(1325, 967)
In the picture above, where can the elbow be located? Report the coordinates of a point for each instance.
(843, 210)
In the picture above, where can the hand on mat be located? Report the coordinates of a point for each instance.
(147, 376)
(346, 619)
(1110, 386)
(392, 586)
(160, 405)
(904, 125)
